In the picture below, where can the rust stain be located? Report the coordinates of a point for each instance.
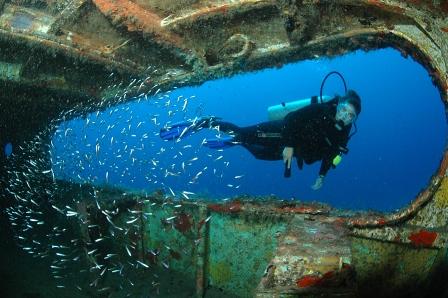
(232, 207)
(303, 209)
(223, 9)
(383, 6)
(136, 18)
(317, 281)
(365, 221)
(340, 222)
(308, 281)
(381, 221)
(423, 238)
(330, 278)
(444, 6)
(182, 223)
(175, 255)
(443, 166)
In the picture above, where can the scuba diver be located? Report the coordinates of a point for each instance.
(307, 130)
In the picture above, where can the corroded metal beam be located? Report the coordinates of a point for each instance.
(70, 14)
(76, 51)
(137, 19)
(227, 10)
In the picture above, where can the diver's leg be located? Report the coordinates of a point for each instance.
(245, 135)
(185, 128)
(264, 152)
(265, 133)
(263, 140)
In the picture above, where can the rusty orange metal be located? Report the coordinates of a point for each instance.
(137, 19)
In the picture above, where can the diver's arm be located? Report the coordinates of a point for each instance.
(320, 179)
(287, 153)
(291, 126)
(318, 183)
(324, 167)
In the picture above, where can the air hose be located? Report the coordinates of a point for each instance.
(326, 77)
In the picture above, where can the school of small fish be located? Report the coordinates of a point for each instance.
(100, 148)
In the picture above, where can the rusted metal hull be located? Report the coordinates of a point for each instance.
(264, 248)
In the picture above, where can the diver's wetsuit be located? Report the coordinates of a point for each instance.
(311, 131)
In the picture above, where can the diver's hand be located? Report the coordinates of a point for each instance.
(287, 156)
(318, 183)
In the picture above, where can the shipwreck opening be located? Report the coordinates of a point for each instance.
(398, 146)
(122, 238)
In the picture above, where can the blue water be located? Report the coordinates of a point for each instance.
(399, 144)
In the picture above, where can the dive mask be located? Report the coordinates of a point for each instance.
(346, 113)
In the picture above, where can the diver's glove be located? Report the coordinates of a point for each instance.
(318, 183)
(288, 152)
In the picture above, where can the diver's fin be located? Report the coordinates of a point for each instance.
(220, 143)
(185, 128)
(175, 131)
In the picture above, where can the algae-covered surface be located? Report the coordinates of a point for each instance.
(389, 267)
(240, 250)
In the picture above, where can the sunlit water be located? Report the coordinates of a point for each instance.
(398, 146)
